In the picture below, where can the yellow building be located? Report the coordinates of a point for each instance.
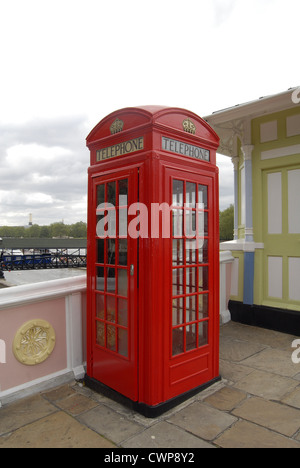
(263, 139)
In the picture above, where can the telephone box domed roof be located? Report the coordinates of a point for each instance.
(171, 118)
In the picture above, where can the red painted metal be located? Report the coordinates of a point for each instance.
(172, 293)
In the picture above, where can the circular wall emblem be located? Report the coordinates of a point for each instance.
(34, 342)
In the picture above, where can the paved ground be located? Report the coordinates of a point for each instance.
(257, 404)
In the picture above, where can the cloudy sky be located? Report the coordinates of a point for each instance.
(66, 64)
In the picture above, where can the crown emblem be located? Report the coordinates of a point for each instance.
(188, 126)
(117, 126)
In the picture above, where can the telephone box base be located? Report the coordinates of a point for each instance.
(142, 408)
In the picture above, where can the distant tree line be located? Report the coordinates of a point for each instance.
(227, 224)
(77, 231)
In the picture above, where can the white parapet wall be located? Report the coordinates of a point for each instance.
(31, 358)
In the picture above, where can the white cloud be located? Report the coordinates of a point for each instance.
(42, 168)
(226, 181)
(37, 199)
(35, 157)
(223, 10)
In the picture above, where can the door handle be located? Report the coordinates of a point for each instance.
(131, 270)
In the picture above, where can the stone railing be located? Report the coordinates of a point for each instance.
(42, 336)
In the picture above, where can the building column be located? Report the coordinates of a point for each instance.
(247, 151)
(249, 252)
(235, 162)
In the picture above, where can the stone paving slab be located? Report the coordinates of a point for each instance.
(59, 393)
(202, 420)
(162, 435)
(273, 360)
(238, 351)
(266, 385)
(57, 430)
(293, 398)
(110, 424)
(274, 416)
(248, 435)
(262, 336)
(76, 404)
(23, 412)
(226, 399)
(233, 372)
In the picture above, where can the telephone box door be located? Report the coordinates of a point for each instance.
(194, 327)
(113, 265)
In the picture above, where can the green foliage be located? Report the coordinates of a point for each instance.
(77, 230)
(227, 224)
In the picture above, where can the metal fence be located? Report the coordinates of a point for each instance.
(32, 254)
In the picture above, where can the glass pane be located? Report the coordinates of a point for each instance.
(203, 250)
(111, 228)
(110, 309)
(191, 281)
(100, 279)
(123, 342)
(100, 245)
(203, 333)
(191, 337)
(123, 192)
(178, 252)
(111, 193)
(177, 311)
(202, 196)
(106, 223)
(111, 280)
(203, 279)
(111, 251)
(100, 306)
(191, 305)
(123, 312)
(177, 193)
(122, 282)
(122, 251)
(190, 195)
(203, 306)
(177, 216)
(100, 194)
(123, 222)
(190, 223)
(100, 339)
(178, 341)
(191, 257)
(178, 282)
(101, 227)
(202, 224)
(111, 337)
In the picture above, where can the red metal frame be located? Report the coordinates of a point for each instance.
(152, 374)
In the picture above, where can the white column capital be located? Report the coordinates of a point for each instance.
(247, 152)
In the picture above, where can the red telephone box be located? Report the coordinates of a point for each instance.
(153, 257)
